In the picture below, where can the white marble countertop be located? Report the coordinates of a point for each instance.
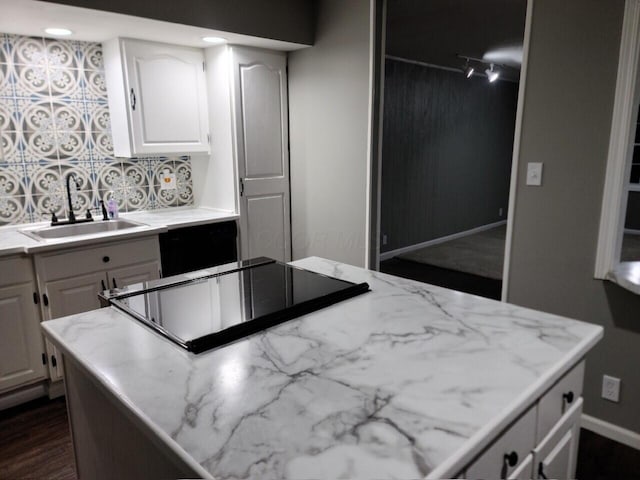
(12, 241)
(627, 275)
(406, 381)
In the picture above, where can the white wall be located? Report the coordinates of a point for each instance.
(329, 108)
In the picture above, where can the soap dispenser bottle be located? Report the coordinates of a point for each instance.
(112, 206)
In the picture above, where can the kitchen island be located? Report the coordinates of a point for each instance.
(406, 381)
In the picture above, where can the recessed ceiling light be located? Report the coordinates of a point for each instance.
(214, 39)
(58, 32)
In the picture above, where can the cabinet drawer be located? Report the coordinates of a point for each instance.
(558, 399)
(97, 258)
(519, 438)
(15, 270)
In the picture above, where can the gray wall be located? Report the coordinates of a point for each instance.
(287, 20)
(446, 154)
(568, 105)
(329, 96)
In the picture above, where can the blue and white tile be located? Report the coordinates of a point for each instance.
(62, 53)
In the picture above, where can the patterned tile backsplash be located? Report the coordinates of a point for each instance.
(54, 120)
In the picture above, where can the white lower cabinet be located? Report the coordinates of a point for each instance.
(70, 281)
(21, 345)
(543, 442)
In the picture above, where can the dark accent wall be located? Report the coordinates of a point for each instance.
(287, 20)
(446, 153)
(632, 218)
(568, 105)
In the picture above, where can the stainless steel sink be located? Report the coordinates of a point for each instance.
(76, 229)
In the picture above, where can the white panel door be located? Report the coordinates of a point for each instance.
(261, 127)
(557, 454)
(21, 345)
(167, 98)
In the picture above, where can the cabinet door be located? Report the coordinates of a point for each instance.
(506, 455)
(556, 455)
(166, 95)
(131, 274)
(73, 295)
(56, 371)
(20, 339)
(260, 114)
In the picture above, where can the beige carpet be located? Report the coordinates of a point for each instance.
(630, 248)
(479, 254)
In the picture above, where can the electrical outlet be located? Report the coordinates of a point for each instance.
(610, 388)
(167, 180)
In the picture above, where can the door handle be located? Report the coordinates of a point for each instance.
(132, 98)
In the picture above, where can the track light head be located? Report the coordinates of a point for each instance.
(468, 70)
(492, 75)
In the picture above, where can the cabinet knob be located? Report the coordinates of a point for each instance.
(568, 397)
(511, 459)
(106, 259)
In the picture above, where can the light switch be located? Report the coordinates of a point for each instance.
(534, 173)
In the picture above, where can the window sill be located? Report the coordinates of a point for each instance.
(627, 275)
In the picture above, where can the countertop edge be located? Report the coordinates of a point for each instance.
(155, 227)
(124, 405)
(483, 437)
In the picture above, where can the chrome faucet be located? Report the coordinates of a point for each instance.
(72, 216)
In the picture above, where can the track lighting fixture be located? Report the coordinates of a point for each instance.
(492, 75)
(492, 72)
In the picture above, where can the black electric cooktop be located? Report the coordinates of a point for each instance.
(208, 311)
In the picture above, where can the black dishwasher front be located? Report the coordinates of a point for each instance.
(194, 248)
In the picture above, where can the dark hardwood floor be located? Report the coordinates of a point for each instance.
(463, 282)
(35, 441)
(601, 459)
(35, 444)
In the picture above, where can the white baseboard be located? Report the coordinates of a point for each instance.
(22, 395)
(435, 241)
(611, 431)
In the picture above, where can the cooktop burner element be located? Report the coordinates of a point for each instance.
(208, 311)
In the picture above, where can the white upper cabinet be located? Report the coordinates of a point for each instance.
(157, 98)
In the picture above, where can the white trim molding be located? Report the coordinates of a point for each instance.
(614, 199)
(515, 162)
(436, 241)
(611, 431)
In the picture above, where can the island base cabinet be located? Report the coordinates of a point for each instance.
(110, 442)
(556, 455)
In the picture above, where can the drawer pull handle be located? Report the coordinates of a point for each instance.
(568, 397)
(105, 259)
(104, 287)
(541, 471)
(511, 459)
(114, 283)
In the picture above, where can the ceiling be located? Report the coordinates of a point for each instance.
(31, 17)
(436, 31)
